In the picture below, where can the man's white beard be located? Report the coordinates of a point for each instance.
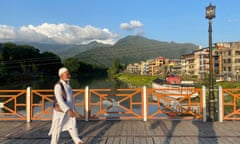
(67, 81)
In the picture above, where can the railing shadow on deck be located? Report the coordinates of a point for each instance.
(171, 129)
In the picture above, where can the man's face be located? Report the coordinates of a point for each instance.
(66, 76)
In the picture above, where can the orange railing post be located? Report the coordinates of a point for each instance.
(144, 94)
(28, 103)
(86, 103)
(220, 107)
(204, 104)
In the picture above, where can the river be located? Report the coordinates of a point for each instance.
(76, 83)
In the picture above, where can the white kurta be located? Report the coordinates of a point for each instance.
(61, 121)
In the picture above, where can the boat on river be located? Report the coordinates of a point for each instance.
(173, 93)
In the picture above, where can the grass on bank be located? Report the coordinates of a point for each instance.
(137, 80)
(146, 80)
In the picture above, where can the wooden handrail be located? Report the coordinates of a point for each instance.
(129, 103)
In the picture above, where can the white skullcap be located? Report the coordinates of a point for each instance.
(62, 70)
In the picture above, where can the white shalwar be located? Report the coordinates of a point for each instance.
(61, 121)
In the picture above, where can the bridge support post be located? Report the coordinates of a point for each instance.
(28, 103)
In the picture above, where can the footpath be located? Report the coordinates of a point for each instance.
(126, 132)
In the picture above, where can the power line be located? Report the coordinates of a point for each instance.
(51, 63)
(30, 60)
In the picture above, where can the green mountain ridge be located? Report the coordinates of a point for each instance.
(128, 50)
(65, 50)
(133, 49)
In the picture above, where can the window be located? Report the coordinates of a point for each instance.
(237, 60)
(237, 52)
(228, 60)
(229, 53)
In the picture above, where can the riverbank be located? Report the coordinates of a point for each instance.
(146, 80)
(137, 80)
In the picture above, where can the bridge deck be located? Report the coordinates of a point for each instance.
(126, 132)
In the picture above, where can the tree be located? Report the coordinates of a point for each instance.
(19, 57)
(50, 63)
(115, 68)
(72, 64)
(3, 71)
(24, 58)
(34, 68)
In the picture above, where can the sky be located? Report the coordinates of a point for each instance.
(107, 21)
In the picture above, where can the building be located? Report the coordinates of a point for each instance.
(134, 68)
(225, 58)
(175, 66)
(201, 63)
(188, 64)
(229, 59)
(196, 63)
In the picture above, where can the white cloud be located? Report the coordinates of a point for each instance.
(136, 24)
(59, 33)
(7, 32)
(131, 25)
(125, 26)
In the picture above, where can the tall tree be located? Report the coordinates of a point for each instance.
(19, 57)
(115, 68)
(3, 71)
(50, 63)
(72, 64)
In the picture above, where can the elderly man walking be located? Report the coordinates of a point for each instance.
(63, 114)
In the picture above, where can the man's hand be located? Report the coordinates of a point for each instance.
(71, 113)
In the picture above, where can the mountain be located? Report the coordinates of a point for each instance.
(133, 49)
(130, 49)
(66, 50)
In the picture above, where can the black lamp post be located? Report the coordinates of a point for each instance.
(210, 14)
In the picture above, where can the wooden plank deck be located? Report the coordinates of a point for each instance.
(126, 132)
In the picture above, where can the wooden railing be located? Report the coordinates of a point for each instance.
(12, 104)
(230, 104)
(183, 103)
(41, 103)
(137, 103)
(115, 104)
